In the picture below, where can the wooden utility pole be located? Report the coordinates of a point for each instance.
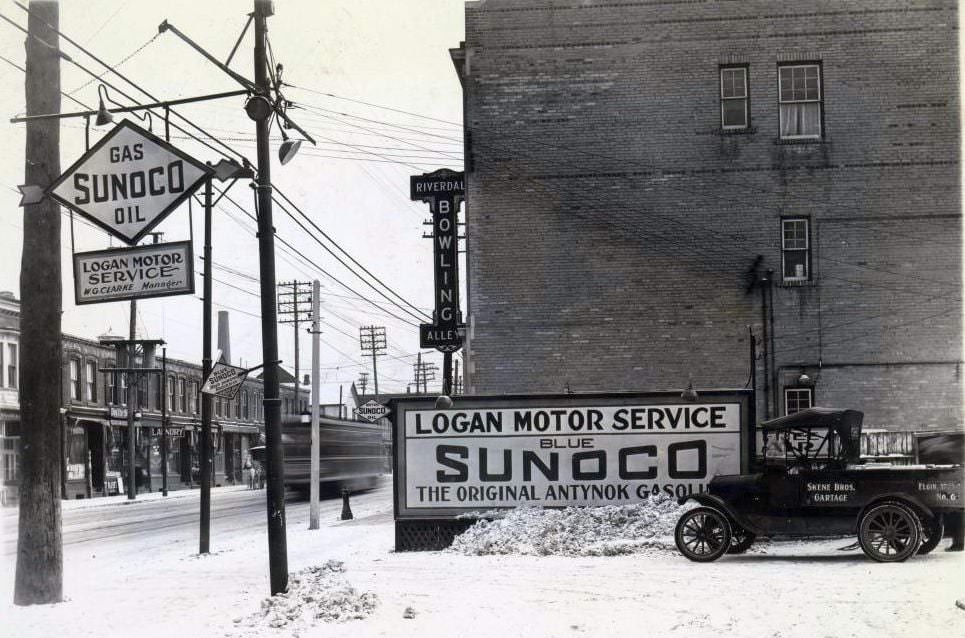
(313, 508)
(373, 341)
(40, 568)
(259, 108)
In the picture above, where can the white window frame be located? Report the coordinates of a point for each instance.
(90, 380)
(746, 99)
(12, 371)
(808, 392)
(819, 101)
(806, 250)
(76, 383)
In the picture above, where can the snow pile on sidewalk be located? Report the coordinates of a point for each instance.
(574, 531)
(314, 594)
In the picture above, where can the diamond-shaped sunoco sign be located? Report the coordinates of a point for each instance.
(129, 181)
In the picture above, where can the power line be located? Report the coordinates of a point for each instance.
(344, 252)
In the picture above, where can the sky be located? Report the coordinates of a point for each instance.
(378, 91)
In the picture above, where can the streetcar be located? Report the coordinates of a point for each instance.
(351, 454)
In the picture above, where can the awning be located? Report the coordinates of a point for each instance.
(88, 421)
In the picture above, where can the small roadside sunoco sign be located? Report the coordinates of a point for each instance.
(116, 274)
(563, 450)
(224, 380)
(371, 411)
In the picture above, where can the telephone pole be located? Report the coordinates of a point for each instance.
(259, 108)
(373, 342)
(425, 371)
(295, 306)
(313, 513)
(363, 380)
(40, 566)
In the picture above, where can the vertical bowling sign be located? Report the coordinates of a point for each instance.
(444, 191)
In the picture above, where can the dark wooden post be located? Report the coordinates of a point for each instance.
(39, 577)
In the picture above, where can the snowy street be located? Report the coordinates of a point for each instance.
(152, 583)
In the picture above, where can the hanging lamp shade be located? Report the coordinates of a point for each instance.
(103, 115)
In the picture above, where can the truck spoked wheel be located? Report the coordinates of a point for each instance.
(889, 533)
(740, 540)
(703, 534)
(933, 530)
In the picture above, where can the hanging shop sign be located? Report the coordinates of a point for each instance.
(444, 191)
(224, 380)
(154, 270)
(129, 181)
(564, 450)
(371, 411)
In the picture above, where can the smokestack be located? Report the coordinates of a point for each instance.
(224, 338)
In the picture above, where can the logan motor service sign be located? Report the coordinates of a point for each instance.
(128, 182)
(155, 270)
(564, 452)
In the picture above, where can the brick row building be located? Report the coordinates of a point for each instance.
(650, 183)
(94, 420)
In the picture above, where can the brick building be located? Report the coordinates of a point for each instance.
(648, 183)
(94, 420)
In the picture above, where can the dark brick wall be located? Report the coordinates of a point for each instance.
(610, 222)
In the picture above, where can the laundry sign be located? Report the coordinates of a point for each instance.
(154, 270)
(129, 182)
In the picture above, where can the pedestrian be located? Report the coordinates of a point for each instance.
(250, 472)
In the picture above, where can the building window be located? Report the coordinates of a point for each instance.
(171, 390)
(11, 365)
(75, 379)
(142, 381)
(735, 111)
(109, 381)
(801, 101)
(90, 382)
(193, 398)
(797, 399)
(182, 395)
(795, 249)
(245, 413)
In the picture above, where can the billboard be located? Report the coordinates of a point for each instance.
(564, 450)
(116, 274)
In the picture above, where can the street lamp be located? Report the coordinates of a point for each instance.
(103, 115)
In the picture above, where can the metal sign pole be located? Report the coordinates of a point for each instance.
(164, 422)
(206, 399)
(314, 506)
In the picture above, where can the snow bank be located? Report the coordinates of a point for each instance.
(574, 531)
(314, 594)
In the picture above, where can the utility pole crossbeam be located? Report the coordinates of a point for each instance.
(40, 569)
(373, 342)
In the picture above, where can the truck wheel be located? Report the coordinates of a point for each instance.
(932, 532)
(703, 534)
(740, 540)
(889, 533)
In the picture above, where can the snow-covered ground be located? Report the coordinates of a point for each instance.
(155, 585)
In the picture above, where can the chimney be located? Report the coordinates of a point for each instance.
(224, 338)
(306, 380)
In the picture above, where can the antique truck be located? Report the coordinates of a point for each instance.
(812, 482)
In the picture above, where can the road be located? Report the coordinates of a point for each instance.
(233, 510)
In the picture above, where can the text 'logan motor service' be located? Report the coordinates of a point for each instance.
(566, 455)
